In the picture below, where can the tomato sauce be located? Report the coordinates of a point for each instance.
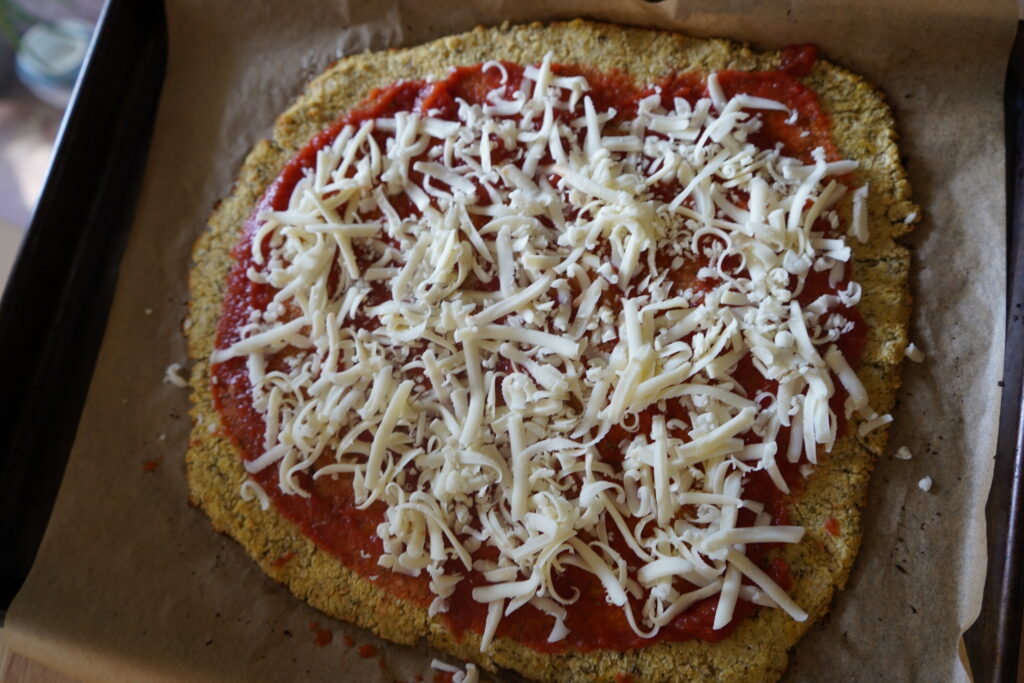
(832, 526)
(329, 516)
(798, 60)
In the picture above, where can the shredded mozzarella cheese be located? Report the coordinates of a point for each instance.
(519, 331)
(914, 353)
(172, 375)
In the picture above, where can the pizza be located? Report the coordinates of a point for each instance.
(566, 347)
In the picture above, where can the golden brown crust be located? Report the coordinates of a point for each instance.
(863, 130)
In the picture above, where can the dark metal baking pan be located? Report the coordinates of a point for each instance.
(993, 642)
(54, 309)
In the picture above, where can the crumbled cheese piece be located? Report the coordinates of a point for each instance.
(859, 223)
(251, 490)
(913, 353)
(171, 375)
(872, 423)
(903, 453)
(511, 335)
(470, 675)
(925, 484)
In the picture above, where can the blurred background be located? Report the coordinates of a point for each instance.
(42, 45)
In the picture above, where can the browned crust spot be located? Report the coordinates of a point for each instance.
(863, 129)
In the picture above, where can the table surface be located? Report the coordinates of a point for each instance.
(15, 668)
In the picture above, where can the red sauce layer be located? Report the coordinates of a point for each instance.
(329, 516)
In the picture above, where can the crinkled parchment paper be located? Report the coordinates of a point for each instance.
(132, 583)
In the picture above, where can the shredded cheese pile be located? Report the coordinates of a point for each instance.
(530, 311)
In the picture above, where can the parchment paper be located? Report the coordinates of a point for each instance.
(131, 583)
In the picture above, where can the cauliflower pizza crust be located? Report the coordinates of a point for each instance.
(862, 130)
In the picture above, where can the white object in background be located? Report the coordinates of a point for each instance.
(27, 128)
(50, 56)
(10, 240)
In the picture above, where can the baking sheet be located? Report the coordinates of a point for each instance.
(131, 583)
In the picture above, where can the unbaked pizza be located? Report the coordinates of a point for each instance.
(566, 347)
